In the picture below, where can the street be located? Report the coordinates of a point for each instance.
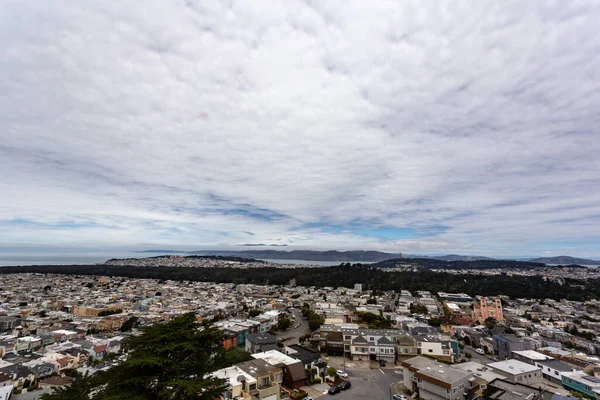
(476, 357)
(291, 335)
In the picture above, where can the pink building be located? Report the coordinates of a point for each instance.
(486, 308)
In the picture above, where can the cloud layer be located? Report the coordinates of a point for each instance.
(424, 127)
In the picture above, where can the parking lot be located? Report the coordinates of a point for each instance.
(367, 382)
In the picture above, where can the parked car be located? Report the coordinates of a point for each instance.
(342, 373)
(334, 390)
(399, 397)
(479, 351)
(344, 385)
(308, 398)
(382, 363)
(494, 358)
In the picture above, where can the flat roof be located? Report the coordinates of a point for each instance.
(478, 370)
(275, 357)
(514, 367)
(231, 374)
(532, 355)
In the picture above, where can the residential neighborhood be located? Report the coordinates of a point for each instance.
(308, 341)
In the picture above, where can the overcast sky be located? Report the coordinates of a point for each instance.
(419, 127)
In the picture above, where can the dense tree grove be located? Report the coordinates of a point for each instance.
(345, 276)
(168, 361)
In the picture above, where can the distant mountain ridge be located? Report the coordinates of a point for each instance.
(305, 255)
(565, 260)
(457, 257)
(358, 256)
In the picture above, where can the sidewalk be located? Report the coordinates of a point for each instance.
(316, 390)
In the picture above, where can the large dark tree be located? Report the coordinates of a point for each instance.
(168, 361)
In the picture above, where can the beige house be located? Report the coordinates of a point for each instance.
(252, 380)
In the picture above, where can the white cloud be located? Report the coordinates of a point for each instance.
(473, 125)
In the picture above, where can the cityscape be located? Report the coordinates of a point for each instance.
(293, 342)
(299, 200)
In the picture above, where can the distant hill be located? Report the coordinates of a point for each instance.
(457, 257)
(432, 263)
(306, 255)
(565, 260)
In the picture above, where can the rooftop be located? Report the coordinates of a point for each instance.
(532, 355)
(478, 370)
(513, 367)
(275, 357)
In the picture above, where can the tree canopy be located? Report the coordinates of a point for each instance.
(172, 360)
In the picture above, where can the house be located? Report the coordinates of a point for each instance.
(230, 341)
(504, 345)
(435, 381)
(18, 374)
(440, 346)
(294, 376)
(580, 382)
(553, 370)
(6, 387)
(308, 357)
(482, 376)
(359, 343)
(237, 381)
(332, 342)
(256, 342)
(518, 372)
(266, 380)
(42, 369)
(406, 347)
(55, 382)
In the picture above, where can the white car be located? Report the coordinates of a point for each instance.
(399, 397)
(342, 374)
(480, 351)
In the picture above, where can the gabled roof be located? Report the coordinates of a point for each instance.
(383, 340)
(359, 339)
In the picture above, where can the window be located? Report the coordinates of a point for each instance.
(430, 350)
(347, 337)
(556, 373)
(253, 387)
(278, 377)
(454, 390)
(265, 381)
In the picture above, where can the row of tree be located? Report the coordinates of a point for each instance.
(346, 276)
